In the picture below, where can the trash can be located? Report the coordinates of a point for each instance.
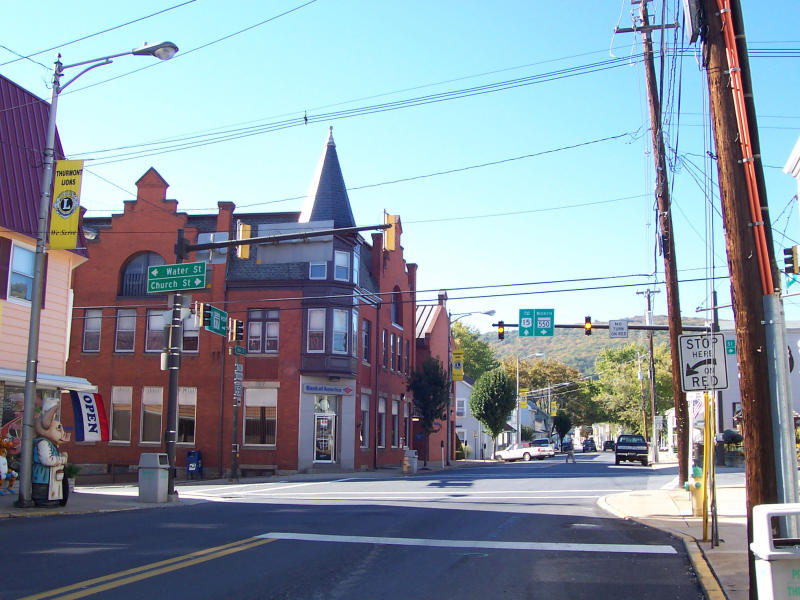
(153, 477)
(777, 566)
(410, 462)
(194, 464)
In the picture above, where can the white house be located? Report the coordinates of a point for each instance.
(468, 429)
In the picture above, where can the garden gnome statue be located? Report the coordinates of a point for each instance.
(48, 462)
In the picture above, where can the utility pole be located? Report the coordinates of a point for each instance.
(748, 238)
(667, 238)
(652, 371)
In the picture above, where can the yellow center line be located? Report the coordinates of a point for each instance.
(114, 580)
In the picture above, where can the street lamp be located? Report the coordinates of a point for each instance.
(162, 51)
(452, 318)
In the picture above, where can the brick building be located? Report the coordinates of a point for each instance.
(329, 331)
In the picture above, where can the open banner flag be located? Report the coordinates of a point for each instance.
(91, 424)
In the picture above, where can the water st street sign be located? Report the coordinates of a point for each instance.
(171, 278)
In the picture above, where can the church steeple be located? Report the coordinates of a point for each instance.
(327, 198)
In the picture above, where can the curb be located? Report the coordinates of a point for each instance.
(705, 574)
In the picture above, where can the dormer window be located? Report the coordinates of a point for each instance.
(341, 269)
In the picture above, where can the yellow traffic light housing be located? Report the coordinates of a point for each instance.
(587, 325)
(501, 330)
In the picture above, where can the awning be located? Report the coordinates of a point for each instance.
(47, 381)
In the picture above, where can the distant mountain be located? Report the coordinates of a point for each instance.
(572, 346)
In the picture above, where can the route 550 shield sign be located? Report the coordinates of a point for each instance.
(703, 364)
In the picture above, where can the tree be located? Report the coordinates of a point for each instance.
(558, 384)
(562, 424)
(430, 391)
(478, 355)
(619, 389)
(526, 433)
(493, 398)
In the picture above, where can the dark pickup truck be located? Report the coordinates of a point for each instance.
(632, 448)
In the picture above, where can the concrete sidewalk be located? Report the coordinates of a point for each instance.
(722, 570)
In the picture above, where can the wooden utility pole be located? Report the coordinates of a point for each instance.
(667, 245)
(746, 267)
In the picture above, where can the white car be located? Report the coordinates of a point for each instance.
(525, 451)
(544, 446)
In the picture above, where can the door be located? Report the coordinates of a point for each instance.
(324, 438)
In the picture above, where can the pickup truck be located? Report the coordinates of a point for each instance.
(632, 448)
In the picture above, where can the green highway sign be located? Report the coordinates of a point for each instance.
(173, 278)
(526, 322)
(217, 321)
(543, 322)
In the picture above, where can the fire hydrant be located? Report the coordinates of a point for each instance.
(695, 487)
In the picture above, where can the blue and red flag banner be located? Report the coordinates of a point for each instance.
(91, 424)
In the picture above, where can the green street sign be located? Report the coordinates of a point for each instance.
(217, 320)
(173, 278)
(526, 322)
(543, 322)
(240, 350)
(730, 346)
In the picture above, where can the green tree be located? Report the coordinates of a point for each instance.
(430, 392)
(492, 401)
(478, 355)
(555, 384)
(621, 392)
(562, 424)
(526, 433)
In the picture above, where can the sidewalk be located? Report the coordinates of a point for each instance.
(723, 570)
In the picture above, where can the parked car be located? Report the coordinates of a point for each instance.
(545, 448)
(526, 451)
(608, 445)
(589, 445)
(632, 448)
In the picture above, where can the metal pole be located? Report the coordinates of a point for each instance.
(174, 366)
(235, 435)
(519, 436)
(37, 293)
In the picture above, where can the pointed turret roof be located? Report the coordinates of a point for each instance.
(327, 195)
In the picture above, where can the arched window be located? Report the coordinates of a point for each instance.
(397, 306)
(134, 275)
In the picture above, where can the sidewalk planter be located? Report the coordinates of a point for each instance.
(777, 567)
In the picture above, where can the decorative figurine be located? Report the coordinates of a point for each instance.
(48, 461)
(6, 474)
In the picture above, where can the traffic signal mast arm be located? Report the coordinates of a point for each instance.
(183, 247)
(630, 326)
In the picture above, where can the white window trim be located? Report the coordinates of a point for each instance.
(334, 331)
(155, 314)
(308, 333)
(150, 399)
(116, 329)
(187, 396)
(259, 397)
(318, 263)
(90, 315)
(9, 297)
(121, 395)
(336, 265)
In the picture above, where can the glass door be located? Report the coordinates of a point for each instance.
(324, 438)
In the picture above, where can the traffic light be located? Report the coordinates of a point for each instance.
(238, 327)
(203, 315)
(790, 260)
(501, 330)
(235, 330)
(587, 325)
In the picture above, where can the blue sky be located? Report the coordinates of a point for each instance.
(547, 180)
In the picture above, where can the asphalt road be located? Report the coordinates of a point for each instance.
(518, 530)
